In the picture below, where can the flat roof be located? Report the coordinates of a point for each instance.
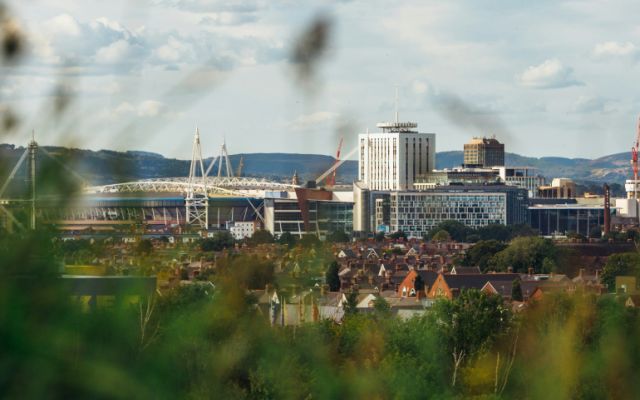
(567, 206)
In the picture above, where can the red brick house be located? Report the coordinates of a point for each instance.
(407, 286)
(450, 286)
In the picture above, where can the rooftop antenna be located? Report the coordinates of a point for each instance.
(396, 104)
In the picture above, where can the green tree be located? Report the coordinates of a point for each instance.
(525, 252)
(351, 305)
(338, 237)
(481, 254)
(331, 276)
(309, 240)
(221, 240)
(381, 307)
(261, 236)
(418, 284)
(441, 236)
(398, 235)
(457, 230)
(499, 232)
(144, 247)
(618, 265)
(469, 324)
(379, 237)
(287, 238)
(516, 290)
(520, 230)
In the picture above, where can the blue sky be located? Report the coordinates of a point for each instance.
(549, 78)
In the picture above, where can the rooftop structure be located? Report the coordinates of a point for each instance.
(393, 158)
(483, 152)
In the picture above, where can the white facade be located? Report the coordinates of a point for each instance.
(627, 207)
(392, 159)
(524, 177)
(242, 229)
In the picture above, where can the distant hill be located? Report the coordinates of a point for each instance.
(106, 166)
(613, 168)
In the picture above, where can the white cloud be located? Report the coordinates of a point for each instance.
(312, 121)
(63, 24)
(151, 108)
(124, 108)
(174, 51)
(117, 52)
(591, 104)
(548, 75)
(228, 18)
(419, 87)
(615, 49)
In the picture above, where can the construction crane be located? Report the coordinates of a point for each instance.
(634, 161)
(240, 165)
(336, 165)
(331, 179)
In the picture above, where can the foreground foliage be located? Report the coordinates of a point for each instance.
(210, 341)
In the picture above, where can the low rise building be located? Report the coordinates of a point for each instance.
(553, 218)
(560, 188)
(242, 229)
(313, 211)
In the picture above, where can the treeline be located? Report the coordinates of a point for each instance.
(454, 230)
(203, 341)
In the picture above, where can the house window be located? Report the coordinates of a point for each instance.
(412, 292)
(404, 292)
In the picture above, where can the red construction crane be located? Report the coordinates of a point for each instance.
(634, 161)
(331, 179)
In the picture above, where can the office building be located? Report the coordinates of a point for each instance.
(483, 153)
(416, 213)
(560, 188)
(524, 177)
(569, 217)
(312, 211)
(393, 158)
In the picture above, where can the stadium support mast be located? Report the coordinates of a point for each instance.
(197, 199)
(224, 156)
(33, 150)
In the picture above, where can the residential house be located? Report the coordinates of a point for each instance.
(407, 286)
(450, 286)
(465, 270)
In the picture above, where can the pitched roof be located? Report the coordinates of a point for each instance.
(503, 288)
(348, 253)
(476, 281)
(465, 270)
(428, 277)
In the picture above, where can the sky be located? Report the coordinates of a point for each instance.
(548, 78)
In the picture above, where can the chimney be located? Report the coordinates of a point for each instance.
(581, 275)
(323, 289)
(530, 272)
(510, 269)
(370, 279)
(597, 275)
(268, 288)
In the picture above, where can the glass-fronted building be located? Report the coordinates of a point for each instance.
(312, 211)
(561, 219)
(416, 213)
